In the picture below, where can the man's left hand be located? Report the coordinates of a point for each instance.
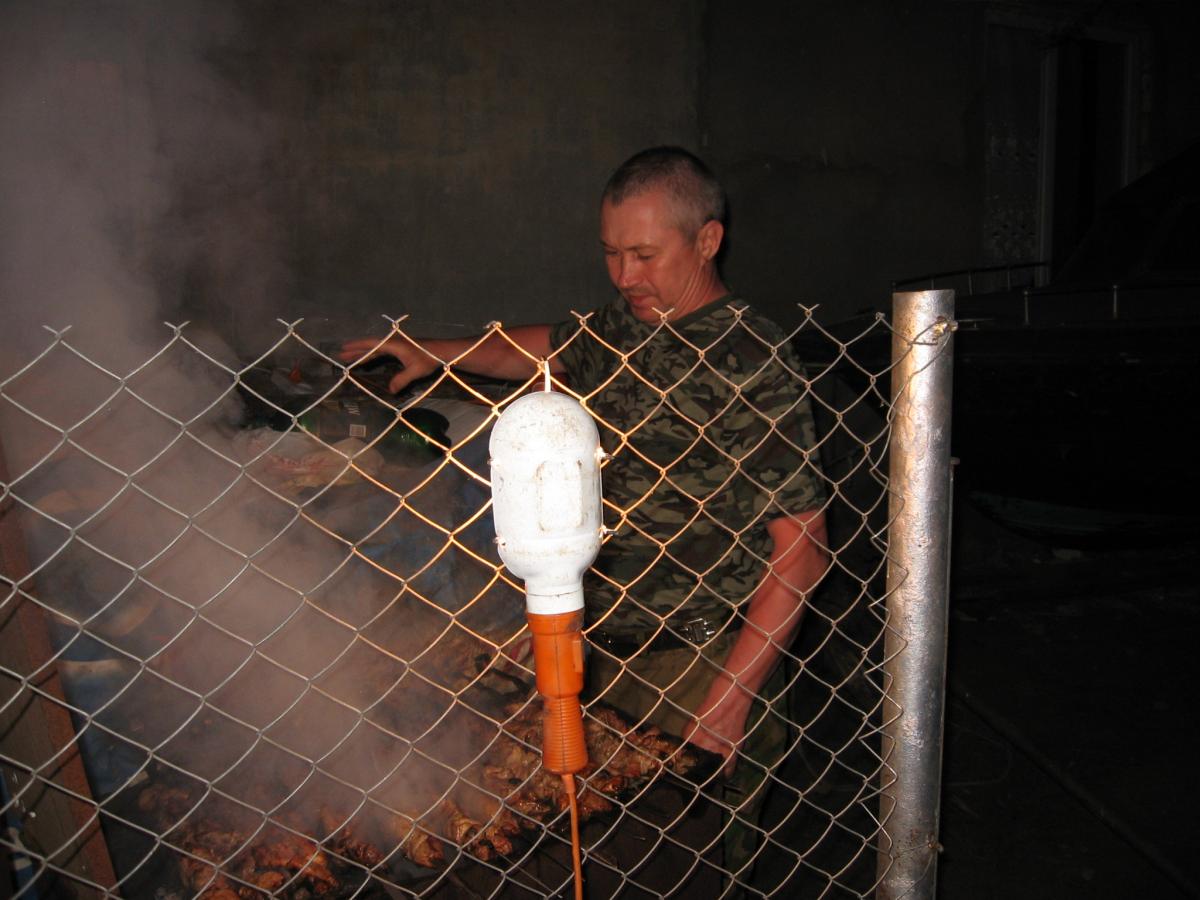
(720, 725)
(798, 562)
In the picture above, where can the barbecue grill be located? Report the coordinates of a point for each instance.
(281, 675)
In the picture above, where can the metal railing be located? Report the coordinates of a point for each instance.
(979, 279)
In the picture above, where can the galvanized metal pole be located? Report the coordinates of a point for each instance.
(918, 593)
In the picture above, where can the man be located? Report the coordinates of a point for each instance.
(715, 500)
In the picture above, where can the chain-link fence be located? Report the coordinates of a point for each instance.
(257, 640)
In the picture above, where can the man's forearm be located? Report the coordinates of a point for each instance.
(503, 353)
(774, 613)
(798, 562)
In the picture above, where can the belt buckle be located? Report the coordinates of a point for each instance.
(698, 630)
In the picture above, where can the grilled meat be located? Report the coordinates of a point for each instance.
(281, 850)
(610, 749)
(228, 855)
(221, 861)
(199, 875)
(461, 829)
(343, 842)
(621, 759)
(419, 846)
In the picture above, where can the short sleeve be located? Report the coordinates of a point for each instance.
(771, 433)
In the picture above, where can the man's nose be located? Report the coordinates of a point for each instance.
(628, 273)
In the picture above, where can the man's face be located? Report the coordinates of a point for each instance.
(656, 267)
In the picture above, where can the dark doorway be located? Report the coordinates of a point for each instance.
(1090, 126)
(1058, 135)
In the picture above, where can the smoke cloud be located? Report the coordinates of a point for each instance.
(215, 622)
(132, 175)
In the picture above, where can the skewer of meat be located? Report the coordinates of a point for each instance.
(649, 739)
(482, 841)
(634, 752)
(418, 845)
(278, 849)
(501, 824)
(462, 830)
(343, 842)
(206, 847)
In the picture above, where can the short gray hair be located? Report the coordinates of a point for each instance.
(694, 190)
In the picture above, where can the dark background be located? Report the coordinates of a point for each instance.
(444, 159)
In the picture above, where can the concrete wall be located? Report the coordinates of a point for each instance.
(849, 138)
(231, 162)
(447, 158)
(234, 162)
(852, 136)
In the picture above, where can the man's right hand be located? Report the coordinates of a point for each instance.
(415, 360)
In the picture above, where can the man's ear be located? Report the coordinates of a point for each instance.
(709, 238)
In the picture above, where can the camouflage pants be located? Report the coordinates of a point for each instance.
(662, 688)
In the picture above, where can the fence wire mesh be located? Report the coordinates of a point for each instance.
(257, 641)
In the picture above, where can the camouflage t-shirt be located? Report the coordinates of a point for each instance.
(708, 423)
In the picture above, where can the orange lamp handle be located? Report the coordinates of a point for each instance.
(558, 663)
